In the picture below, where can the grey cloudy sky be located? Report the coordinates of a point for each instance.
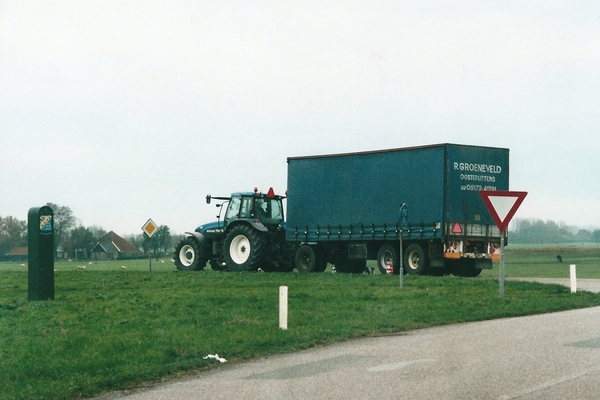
(126, 110)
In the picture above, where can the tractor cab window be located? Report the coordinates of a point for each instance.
(234, 208)
(246, 208)
(268, 211)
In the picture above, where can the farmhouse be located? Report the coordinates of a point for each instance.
(112, 247)
(17, 254)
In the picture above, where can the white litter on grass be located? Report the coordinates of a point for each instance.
(216, 357)
(122, 267)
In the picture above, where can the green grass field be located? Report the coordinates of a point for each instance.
(111, 328)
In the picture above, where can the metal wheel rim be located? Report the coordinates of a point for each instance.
(187, 255)
(239, 249)
(414, 260)
(386, 258)
(305, 261)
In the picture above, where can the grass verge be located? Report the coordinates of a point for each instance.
(108, 331)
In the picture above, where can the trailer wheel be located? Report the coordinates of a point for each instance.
(244, 249)
(188, 256)
(415, 261)
(306, 259)
(387, 255)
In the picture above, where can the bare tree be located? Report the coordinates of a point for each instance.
(64, 220)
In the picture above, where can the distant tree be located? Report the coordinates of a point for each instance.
(64, 220)
(175, 240)
(80, 242)
(596, 236)
(538, 231)
(583, 236)
(97, 232)
(13, 233)
(163, 238)
(136, 240)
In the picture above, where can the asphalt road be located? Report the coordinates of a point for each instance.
(549, 356)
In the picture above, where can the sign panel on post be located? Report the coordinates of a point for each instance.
(149, 229)
(502, 205)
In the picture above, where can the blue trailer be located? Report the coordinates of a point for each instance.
(344, 209)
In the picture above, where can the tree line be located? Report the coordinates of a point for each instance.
(537, 231)
(77, 241)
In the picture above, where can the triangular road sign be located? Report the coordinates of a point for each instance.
(502, 204)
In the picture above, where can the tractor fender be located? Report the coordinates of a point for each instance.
(255, 224)
(198, 236)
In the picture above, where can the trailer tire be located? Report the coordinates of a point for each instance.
(387, 254)
(244, 249)
(415, 261)
(188, 256)
(306, 259)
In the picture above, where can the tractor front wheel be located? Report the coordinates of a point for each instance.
(188, 256)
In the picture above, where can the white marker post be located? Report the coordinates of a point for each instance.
(573, 278)
(283, 307)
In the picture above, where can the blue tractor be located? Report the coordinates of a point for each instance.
(250, 236)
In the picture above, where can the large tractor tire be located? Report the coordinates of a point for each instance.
(244, 249)
(415, 260)
(188, 256)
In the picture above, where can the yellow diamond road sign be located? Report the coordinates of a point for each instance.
(149, 228)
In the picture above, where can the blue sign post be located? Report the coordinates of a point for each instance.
(403, 221)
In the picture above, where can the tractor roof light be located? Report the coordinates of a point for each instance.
(271, 193)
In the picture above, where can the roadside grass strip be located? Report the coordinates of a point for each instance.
(114, 330)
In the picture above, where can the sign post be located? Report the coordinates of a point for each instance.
(149, 229)
(403, 221)
(502, 205)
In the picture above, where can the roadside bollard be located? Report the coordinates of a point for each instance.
(283, 307)
(573, 279)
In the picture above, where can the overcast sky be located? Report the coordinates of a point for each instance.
(126, 110)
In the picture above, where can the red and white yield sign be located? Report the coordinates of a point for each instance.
(502, 204)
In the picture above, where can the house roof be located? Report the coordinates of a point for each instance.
(111, 243)
(18, 251)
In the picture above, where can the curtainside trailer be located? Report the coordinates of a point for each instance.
(345, 209)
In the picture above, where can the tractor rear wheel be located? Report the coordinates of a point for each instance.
(244, 249)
